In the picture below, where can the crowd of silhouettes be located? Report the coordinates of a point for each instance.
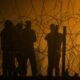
(18, 43)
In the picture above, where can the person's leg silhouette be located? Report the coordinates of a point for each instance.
(33, 64)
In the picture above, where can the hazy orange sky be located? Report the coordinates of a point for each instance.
(18, 8)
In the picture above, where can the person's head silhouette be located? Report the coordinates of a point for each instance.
(28, 24)
(57, 27)
(52, 27)
(19, 26)
(8, 24)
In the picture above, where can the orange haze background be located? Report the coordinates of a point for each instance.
(42, 13)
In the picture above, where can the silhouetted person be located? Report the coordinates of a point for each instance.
(7, 45)
(54, 40)
(29, 53)
(19, 48)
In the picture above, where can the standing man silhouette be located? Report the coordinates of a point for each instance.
(29, 53)
(19, 48)
(54, 40)
(7, 45)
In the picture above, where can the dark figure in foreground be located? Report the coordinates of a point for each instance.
(29, 53)
(19, 49)
(54, 40)
(7, 45)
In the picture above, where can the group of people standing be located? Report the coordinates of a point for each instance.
(18, 43)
